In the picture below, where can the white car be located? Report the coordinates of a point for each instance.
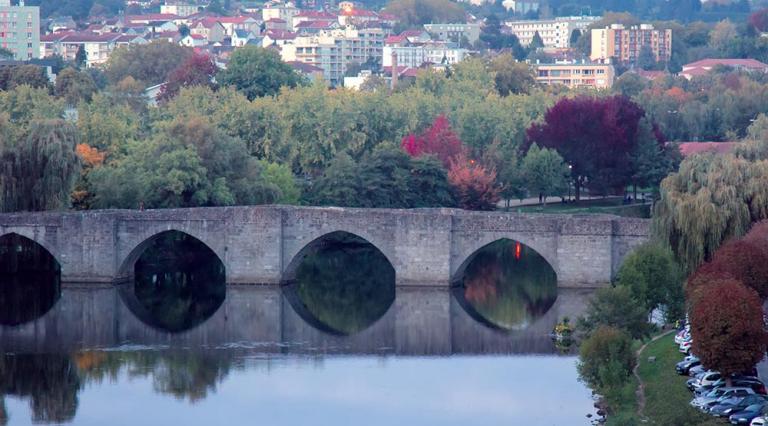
(759, 421)
(682, 335)
(685, 347)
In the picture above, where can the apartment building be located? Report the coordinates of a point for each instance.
(455, 32)
(554, 32)
(334, 50)
(625, 44)
(20, 29)
(97, 47)
(573, 75)
(414, 55)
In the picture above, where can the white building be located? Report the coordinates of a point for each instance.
(179, 9)
(20, 29)
(554, 32)
(455, 32)
(335, 50)
(416, 55)
(521, 7)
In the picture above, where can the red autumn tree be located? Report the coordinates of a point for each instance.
(473, 185)
(759, 20)
(727, 327)
(745, 260)
(198, 70)
(702, 276)
(595, 136)
(439, 140)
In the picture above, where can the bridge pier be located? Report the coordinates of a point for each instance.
(257, 244)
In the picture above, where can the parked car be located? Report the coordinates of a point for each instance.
(759, 421)
(748, 382)
(685, 346)
(703, 402)
(696, 370)
(685, 365)
(733, 405)
(706, 379)
(682, 335)
(745, 416)
(728, 395)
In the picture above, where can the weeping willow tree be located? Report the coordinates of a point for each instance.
(38, 170)
(713, 198)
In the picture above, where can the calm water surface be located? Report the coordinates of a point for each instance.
(337, 344)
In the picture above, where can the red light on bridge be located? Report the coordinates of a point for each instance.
(518, 249)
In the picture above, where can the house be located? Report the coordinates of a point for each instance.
(212, 31)
(308, 71)
(194, 40)
(703, 66)
(578, 74)
(241, 37)
(276, 24)
(277, 38)
(311, 15)
(314, 27)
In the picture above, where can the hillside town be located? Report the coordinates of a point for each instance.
(346, 44)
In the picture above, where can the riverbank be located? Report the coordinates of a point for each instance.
(666, 397)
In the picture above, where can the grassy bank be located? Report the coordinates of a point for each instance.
(603, 206)
(666, 397)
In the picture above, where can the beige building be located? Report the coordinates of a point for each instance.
(179, 8)
(20, 29)
(596, 76)
(554, 32)
(625, 44)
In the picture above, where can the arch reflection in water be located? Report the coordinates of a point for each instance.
(29, 280)
(340, 283)
(507, 285)
(178, 283)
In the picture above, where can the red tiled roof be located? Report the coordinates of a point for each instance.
(358, 12)
(315, 14)
(83, 37)
(276, 21)
(232, 19)
(197, 36)
(402, 71)
(411, 33)
(709, 63)
(394, 39)
(314, 24)
(152, 17)
(280, 35)
(690, 148)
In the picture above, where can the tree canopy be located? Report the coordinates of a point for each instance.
(258, 72)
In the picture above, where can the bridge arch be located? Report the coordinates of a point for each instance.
(37, 239)
(126, 265)
(296, 253)
(469, 250)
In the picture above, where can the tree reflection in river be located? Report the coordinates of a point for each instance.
(344, 283)
(179, 282)
(50, 380)
(508, 284)
(29, 280)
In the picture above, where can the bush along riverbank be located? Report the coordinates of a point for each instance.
(616, 325)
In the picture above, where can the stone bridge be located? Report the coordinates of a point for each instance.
(259, 244)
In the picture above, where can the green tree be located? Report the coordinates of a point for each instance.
(545, 172)
(148, 64)
(630, 84)
(39, 172)
(645, 58)
(257, 72)
(511, 76)
(536, 42)
(415, 13)
(606, 358)
(651, 160)
(23, 75)
(339, 185)
(74, 86)
(81, 56)
(615, 307)
(654, 278)
(281, 177)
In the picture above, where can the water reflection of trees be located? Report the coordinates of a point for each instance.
(179, 282)
(345, 283)
(29, 280)
(508, 289)
(52, 381)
